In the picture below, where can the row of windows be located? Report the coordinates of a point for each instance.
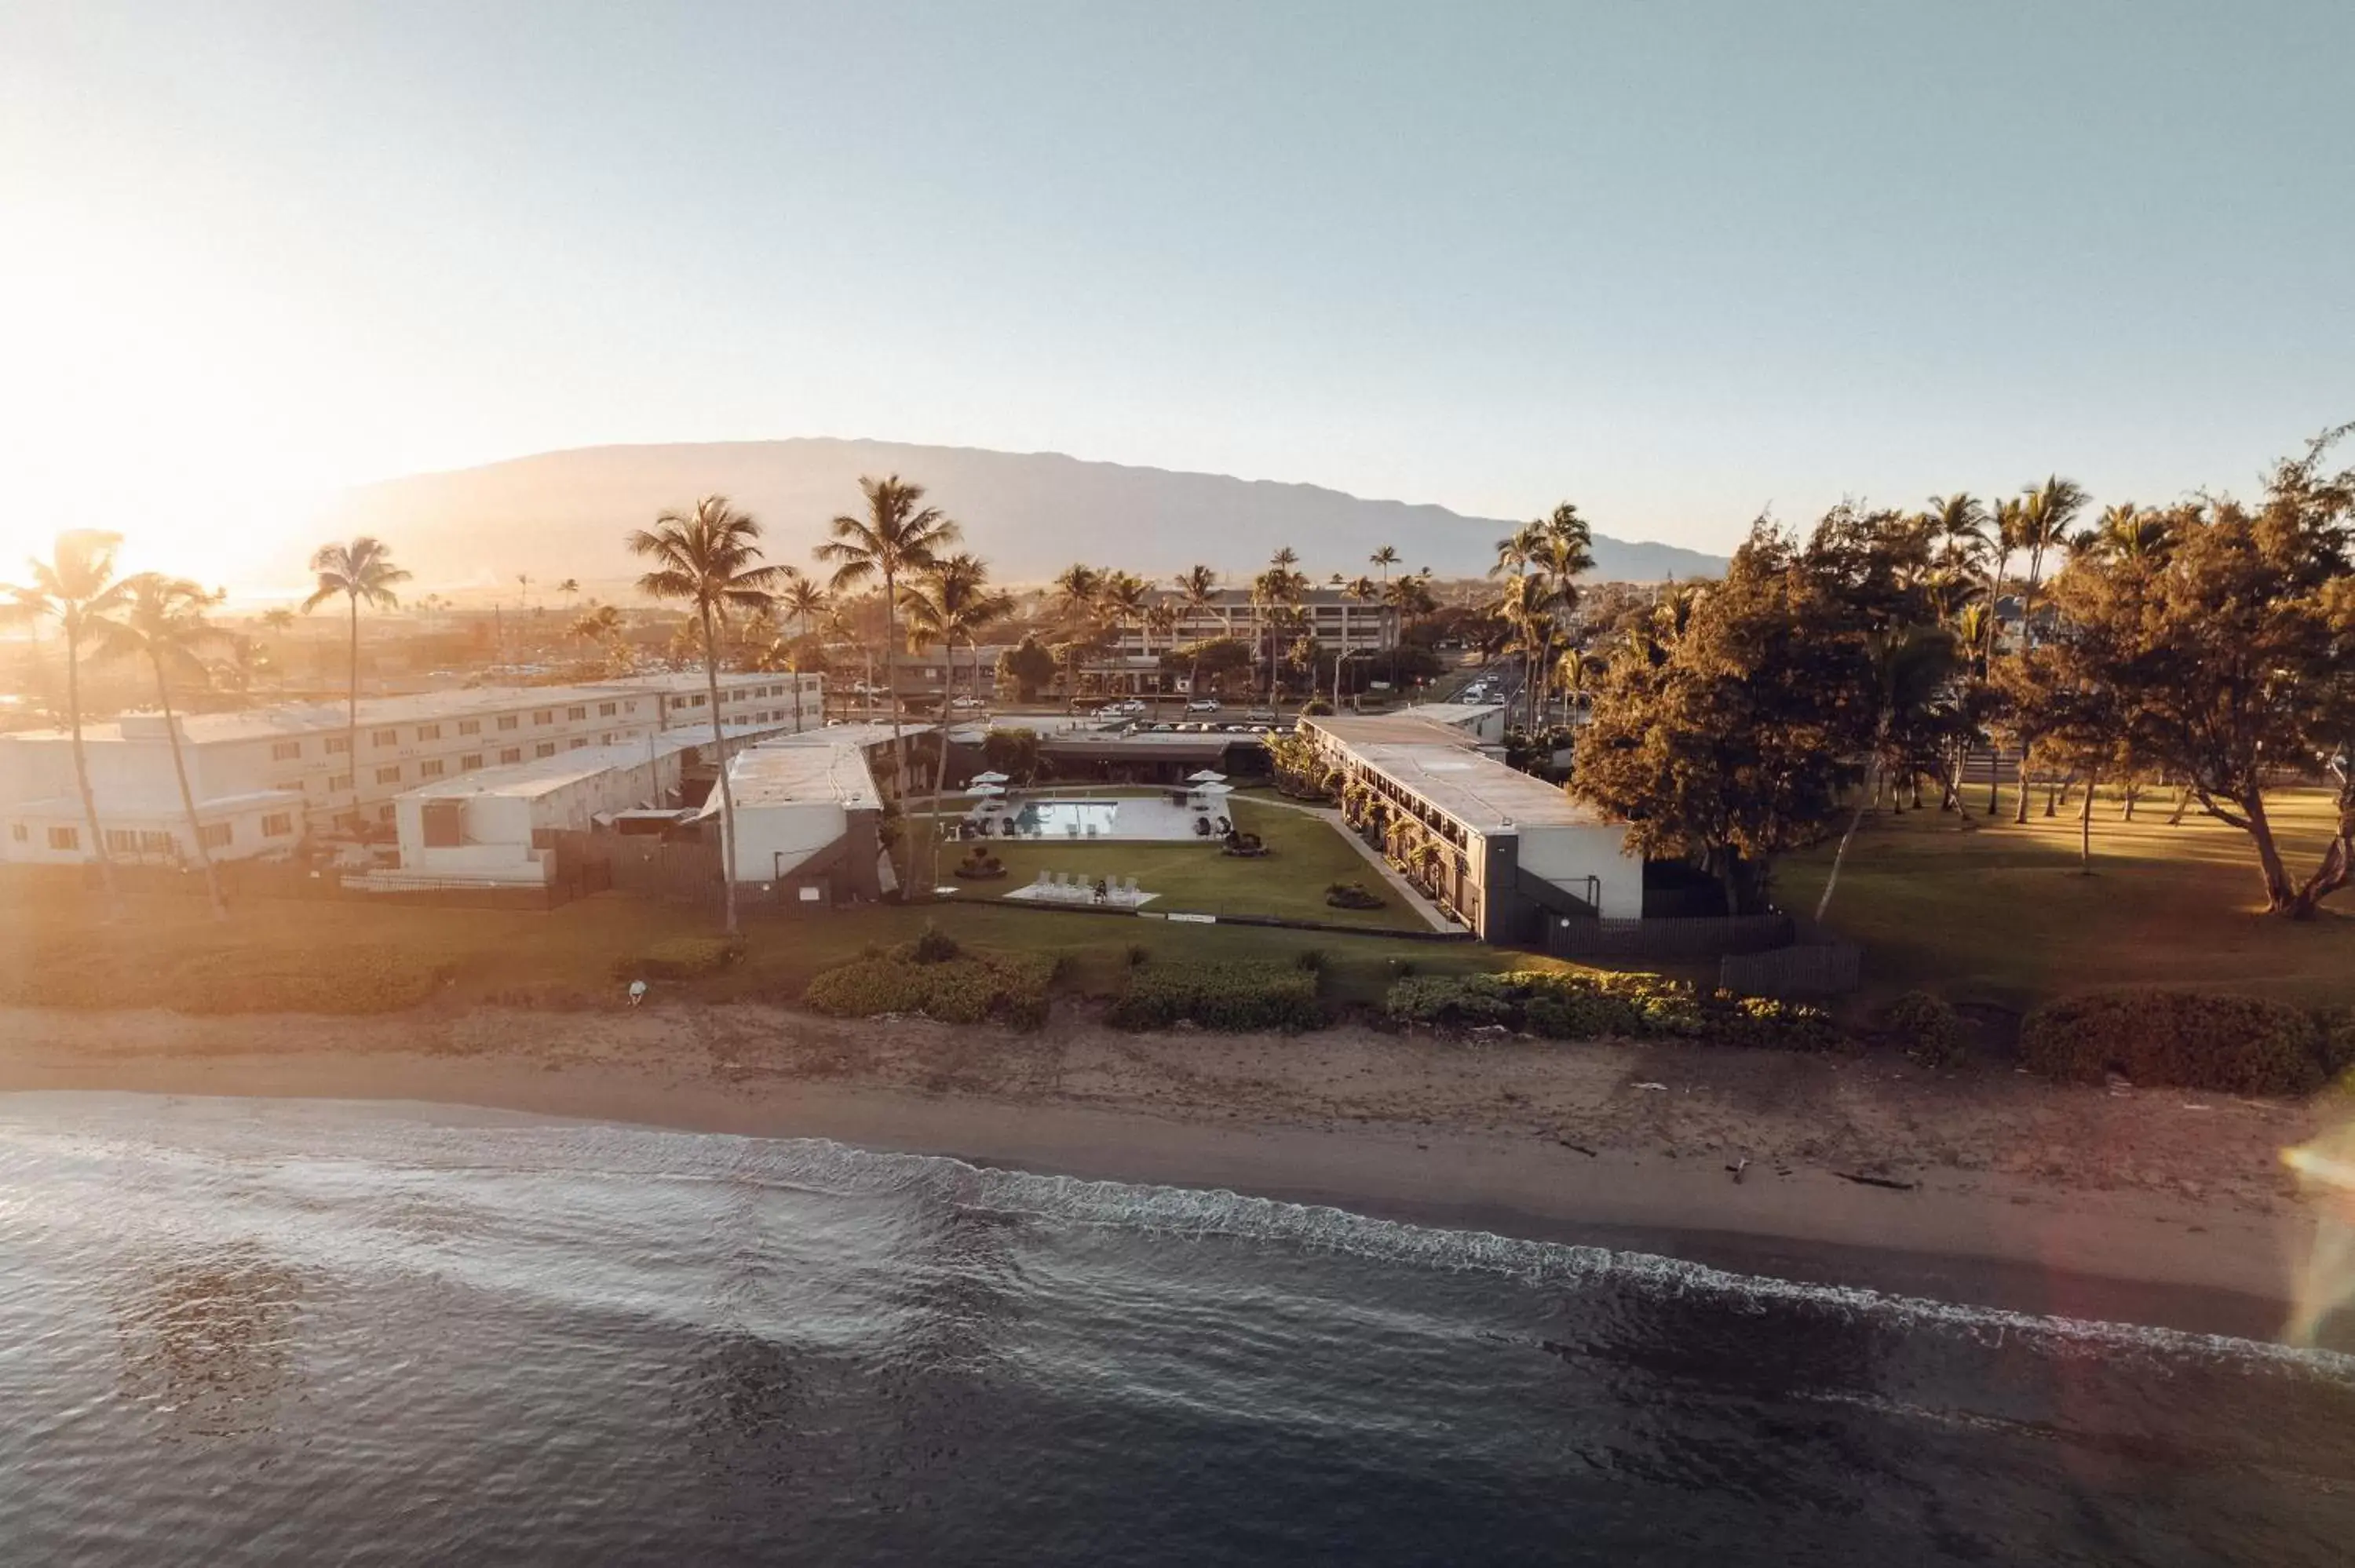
(155, 841)
(291, 750)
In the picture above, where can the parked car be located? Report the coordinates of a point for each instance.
(966, 703)
(1202, 705)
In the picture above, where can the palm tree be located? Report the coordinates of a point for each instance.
(949, 601)
(569, 591)
(803, 601)
(162, 621)
(708, 559)
(363, 572)
(1411, 597)
(1197, 587)
(1078, 596)
(2043, 524)
(1125, 599)
(77, 588)
(1385, 556)
(897, 539)
(1361, 590)
(1275, 592)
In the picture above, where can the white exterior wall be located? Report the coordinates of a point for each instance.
(1567, 856)
(770, 841)
(498, 827)
(27, 837)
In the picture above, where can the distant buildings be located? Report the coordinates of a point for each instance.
(263, 778)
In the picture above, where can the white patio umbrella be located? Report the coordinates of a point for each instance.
(1214, 789)
(986, 789)
(992, 778)
(1206, 777)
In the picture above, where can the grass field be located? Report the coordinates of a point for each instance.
(1306, 854)
(343, 955)
(2002, 913)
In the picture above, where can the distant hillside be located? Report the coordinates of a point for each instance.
(562, 514)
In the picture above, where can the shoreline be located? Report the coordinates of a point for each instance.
(2220, 1262)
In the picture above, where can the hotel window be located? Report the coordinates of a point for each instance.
(277, 825)
(388, 775)
(578, 743)
(428, 731)
(544, 749)
(384, 737)
(65, 838)
(469, 762)
(506, 721)
(544, 716)
(339, 743)
(339, 781)
(122, 841)
(217, 835)
(604, 710)
(430, 768)
(20, 832)
(510, 753)
(578, 711)
(470, 726)
(605, 739)
(285, 750)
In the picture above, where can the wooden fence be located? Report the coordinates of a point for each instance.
(1809, 968)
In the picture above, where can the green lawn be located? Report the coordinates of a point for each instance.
(1304, 856)
(56, 949)
(2003, 915)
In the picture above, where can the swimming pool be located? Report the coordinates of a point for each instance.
(1068, 819)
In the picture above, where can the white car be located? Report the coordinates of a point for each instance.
(1202, 705)
(966, 703)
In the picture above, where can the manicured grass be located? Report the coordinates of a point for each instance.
(2002, 915)
(1306, 854)
(56, 949)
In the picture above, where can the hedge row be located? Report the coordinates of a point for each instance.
(1241, 996)
(223, 978)
(1608, 1006)
(2227, 1044)
(973, 988)
(680, 957)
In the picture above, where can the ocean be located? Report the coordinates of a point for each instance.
(245, 1331)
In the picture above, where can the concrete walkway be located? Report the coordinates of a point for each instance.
(1415, 898)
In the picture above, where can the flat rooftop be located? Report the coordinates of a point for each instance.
(787, 773)
(286, 720)
(862, 734)
(545, 775)
(1442, 766)
(1450, 712)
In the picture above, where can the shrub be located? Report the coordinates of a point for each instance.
(1310, 958)
(1138, 953)
(1352, 895)
(1929, 1031)
(933, 946)
(681, 958)
(1316, 708)
(1608, 1006)
(1004, 987)
(1228, 996)
(2228, 1044)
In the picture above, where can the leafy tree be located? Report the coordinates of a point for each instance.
(363, 573)
(2232, 652)
(77, 588)
(949, 603)
(709, 559)
(1196, 590)
(1013, 752)
(1719, 729)
(161, 624)
(897, 537)
(1028, 666)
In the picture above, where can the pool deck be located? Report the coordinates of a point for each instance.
(1134, 818)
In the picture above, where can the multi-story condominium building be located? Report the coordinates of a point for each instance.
(1331, 615)
(1505, 852)
(262, 779)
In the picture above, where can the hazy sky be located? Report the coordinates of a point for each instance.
(1675, 261)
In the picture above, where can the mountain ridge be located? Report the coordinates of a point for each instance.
(561, 513)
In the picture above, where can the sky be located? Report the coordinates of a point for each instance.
(1677, 262)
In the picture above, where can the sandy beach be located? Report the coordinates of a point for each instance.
(2154, 1206)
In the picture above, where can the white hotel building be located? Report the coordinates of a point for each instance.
(264, 777)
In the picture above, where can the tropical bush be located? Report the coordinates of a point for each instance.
(965, 988)
(1352, 895)
(1929, 1031)
(2193, 1040)
(1246, 995)
(933, 946)
(1560, 1006)
(681, 958)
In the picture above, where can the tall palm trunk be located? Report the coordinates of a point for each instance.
(352, 713)
(899, 742)
(188, 796)
(726, 795)
(81, 769)
(939, 775)
(2027, 645)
